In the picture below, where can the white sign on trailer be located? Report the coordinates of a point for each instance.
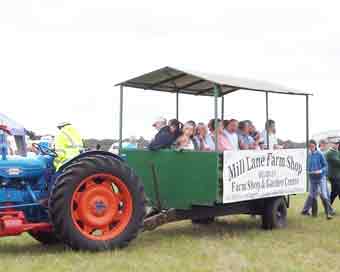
(254, 174)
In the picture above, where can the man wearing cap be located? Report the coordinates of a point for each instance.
(333, 159)
(68, 143)
(323, 146)
(164, 137)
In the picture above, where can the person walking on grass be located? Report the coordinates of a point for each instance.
(317, 170)
(333, 160)
(324, 147)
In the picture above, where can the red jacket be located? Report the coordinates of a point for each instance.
(5, 129)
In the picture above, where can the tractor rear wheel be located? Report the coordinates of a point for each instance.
(44, 237)
(275, 214)
(97, 203)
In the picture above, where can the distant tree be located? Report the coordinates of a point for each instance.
(32, 135)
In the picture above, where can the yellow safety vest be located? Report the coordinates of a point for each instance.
(68, 144)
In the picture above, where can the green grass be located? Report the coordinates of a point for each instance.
(234, 243)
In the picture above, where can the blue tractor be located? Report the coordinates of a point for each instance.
(92, 202)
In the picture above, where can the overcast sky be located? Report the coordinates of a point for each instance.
(60, 59)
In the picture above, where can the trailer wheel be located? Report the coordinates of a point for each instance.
(44, 237)
(275, 214)
(203, 221)
(98, 203)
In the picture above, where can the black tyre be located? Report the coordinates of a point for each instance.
(203, 221)
(46, 238)
(97, 203)
(275, 214)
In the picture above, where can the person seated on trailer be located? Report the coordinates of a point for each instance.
(225, 124)
(211, 125)
(185, 141)
(223, 140)
(273, 142)
(68, 143)
(166, 135)
(231, 133)
(175, 127)
(245, 140)
(132, 143)
(194, 140)
(204, 139)
(193, 124)
(253, 132)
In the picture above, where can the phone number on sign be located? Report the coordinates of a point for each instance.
(266, 174)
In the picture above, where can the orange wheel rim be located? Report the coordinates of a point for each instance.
(101, 207)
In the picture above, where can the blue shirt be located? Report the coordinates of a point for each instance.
(208, 141)
(317, 161)
(130, 146)
(246, 139)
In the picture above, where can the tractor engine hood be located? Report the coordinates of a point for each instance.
(24, 167)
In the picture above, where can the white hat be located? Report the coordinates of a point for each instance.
(63, 124)
(159, 119)
(188, 125)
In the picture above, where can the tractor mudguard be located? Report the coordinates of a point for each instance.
(89, 153)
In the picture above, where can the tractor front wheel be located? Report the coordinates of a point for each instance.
(44, 237)
(203, 221)
(97, 203)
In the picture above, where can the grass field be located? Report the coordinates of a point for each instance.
(234, 243)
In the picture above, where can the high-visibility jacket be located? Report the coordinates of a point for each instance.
(68, 144)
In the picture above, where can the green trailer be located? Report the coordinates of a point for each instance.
(138, 190)
(200, 186)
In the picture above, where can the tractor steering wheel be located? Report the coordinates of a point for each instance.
(45, 150)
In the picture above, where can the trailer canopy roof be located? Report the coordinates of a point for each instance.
(173, 80)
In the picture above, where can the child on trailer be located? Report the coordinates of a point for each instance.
(185, 142)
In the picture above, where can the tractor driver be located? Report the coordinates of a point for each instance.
(68, 144)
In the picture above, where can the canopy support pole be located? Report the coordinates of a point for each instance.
(267, 117)
(177, 106)
(307, 119)
(216, 93)
(307, 135)
(222, 108)
(121, 119)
